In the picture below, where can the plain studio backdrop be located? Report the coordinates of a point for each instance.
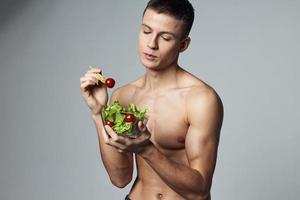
(248, 50)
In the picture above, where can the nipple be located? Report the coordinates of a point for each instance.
(181, 140)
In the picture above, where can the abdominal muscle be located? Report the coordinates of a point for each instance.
(149, 186)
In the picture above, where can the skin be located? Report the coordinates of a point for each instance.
(176, 150)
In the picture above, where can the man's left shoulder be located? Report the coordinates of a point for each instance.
(200, 90)
(202, 95)
(204, 109)
(199, 93)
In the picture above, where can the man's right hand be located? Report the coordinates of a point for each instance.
(93, 90)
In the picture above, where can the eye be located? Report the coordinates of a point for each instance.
(166, 38)
(146, 31)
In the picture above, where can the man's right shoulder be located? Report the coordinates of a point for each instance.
(125, 93)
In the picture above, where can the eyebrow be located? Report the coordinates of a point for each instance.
(163, 32)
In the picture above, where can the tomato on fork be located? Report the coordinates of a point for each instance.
(110, 82)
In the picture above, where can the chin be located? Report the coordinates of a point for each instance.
(149, 64)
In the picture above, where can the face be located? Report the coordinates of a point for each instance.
(160, 40)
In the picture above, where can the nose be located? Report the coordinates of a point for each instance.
(152, 42)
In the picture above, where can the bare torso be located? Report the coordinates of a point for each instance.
(168, 125)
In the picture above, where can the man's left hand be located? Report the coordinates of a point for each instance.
(126, 144)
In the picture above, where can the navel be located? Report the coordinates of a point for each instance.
(159, 195)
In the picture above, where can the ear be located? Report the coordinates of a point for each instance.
(185, 44)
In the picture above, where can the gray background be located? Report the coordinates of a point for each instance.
(246, 50)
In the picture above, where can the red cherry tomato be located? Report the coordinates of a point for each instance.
(129, 118)
(109, 123)
(110, 82)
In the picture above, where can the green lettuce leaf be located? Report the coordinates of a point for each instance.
(116, 113)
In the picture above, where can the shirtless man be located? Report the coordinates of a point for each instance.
(176, 151)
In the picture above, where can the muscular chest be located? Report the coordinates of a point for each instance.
(166, 117)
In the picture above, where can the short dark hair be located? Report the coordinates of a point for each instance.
(180, 9)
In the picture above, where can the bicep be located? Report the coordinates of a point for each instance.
(201, 152)
(205, 117)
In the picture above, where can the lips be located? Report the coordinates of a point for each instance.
(149, 56)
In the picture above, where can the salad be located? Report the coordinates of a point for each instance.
(123, 120)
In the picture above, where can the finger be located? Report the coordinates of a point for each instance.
(145, 121)
(86, 84)
(96, 77)
(145, 134)
(108, 139)
(117, 145)
(89, 78)
(93, 72)
(141, 138)
(105, 136)
(115, 137)
(142, 127)
(94, 69)
(110, 132)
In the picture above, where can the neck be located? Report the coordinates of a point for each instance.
(156, 80)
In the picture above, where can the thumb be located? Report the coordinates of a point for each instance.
(142, 126)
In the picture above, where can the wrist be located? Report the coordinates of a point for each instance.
(96, 116)
(97, 110)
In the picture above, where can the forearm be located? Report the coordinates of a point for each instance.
(184, 180)
(118, 165)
